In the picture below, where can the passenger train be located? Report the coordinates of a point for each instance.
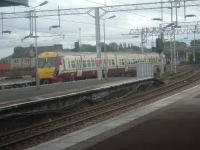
(65, 66)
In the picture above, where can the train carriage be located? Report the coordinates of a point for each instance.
(64, 66)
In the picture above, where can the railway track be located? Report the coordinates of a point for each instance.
(69, 123)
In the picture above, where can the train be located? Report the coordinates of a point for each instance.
(65, 66)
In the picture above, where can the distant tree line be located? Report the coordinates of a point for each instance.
(5, 60)
(182, 48)
(195, 45)
(111, 47)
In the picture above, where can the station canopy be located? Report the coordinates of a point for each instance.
(6, 3)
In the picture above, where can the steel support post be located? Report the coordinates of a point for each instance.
(171, 53)
(162, 10)
(194, 50)
(161, 54)
(171, 44)
(98, 44)
(176, 15)
(31, 23)
(2, 24)
(36, 53)
(174, 48)
(142, 48)
(80, 39)
(174, 37)
(105, 54)
(142, 40)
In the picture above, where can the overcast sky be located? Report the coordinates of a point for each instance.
(70, 25)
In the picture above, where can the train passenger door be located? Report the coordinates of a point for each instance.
(79, 71)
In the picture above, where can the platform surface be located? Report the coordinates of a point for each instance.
(177, 127)
(172, 123)
(15, 96)
(6, 81)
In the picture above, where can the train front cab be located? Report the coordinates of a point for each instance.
(48, 64)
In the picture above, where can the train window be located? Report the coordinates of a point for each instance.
(50, 62)
(110, 62)
(129, 61)
(123, 62)
(113, 62)
(63, 63)
(73, 64)
(84, 64)
(88, 64)
(93, 63)
(16, 61)
(106, 62)
(41, 62)
(119, 62)
(69, 64)
(78, 64)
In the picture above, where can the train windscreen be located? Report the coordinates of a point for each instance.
(46, 62)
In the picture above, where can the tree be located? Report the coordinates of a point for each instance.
(195, 45)
(181, 48)
(88, 48)
(113, 47)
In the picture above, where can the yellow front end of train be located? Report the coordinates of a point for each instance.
(47, 65)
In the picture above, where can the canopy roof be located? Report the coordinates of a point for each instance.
(6, 3)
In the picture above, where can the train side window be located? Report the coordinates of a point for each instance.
(64, 66)
(16, 60)
(120, 62)
(78, 64)
(123, 62)
(73, 64)
(108, 62)
(93, 63)
(105, 61)
(69, 64)
(84, 64)
(113, 62)
(88, 64)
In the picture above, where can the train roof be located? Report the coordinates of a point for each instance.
(109, 53)
(94, 54)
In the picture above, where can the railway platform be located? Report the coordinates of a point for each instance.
(6, 83)
(170, 123)
(17, 96)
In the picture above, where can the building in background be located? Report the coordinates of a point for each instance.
(24, 57)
